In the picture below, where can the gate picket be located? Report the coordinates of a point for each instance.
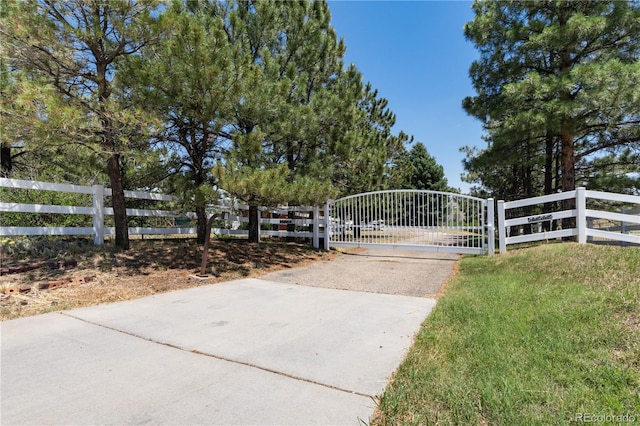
(412, 220)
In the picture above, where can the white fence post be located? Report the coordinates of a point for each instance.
(490, 228)
(581, 215)
(502, 235)
(98, 215)
(327, 229)
(316, 227)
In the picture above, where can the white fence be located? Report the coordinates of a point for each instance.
(307, 221)
(623, 226)
(311, 222)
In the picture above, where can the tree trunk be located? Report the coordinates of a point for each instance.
(254, 224)
(201, 220)
(568, 162)
(548, 176)
(548, 165)
(5, 160)
(118, 201)
(109, 141)
(201, 202)
(566, 137)
(291, 160)
(528, 193)
(291, 227)
(568, 176)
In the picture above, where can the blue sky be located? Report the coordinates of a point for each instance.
(415, 54)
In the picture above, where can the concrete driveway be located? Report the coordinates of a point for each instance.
(253, 351)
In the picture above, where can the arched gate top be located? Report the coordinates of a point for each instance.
(411, 219)
(409, 191)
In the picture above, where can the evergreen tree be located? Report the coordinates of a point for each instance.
(558, 85)
(297, 103)
(371, 159)
(191, 80)
(35, 135)
(425, 173)
(73, 46)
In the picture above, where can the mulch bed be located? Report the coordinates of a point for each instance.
(103, 275)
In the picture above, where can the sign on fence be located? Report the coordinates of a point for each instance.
(585, 218)
(454, 216)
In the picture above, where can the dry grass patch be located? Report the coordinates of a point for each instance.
(149, 267)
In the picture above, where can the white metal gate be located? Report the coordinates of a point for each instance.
(413, 220)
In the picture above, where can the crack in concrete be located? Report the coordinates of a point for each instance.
(222, 358)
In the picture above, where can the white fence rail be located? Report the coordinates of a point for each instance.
(308, 218)
(591, 221)
(623, 226)
(308, 222)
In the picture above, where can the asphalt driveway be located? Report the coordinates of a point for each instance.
(253, 351)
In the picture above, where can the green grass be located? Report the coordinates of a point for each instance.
(536, 336)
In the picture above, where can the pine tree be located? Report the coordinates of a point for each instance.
(557, 82)
(292, 95)
(191, 80)
(75, 50)
(372, 155)
(425, 172)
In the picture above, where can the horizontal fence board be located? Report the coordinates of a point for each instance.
(526, 220)
(224, 231)
(540, 200)
(303, 213)
(152, 213)
(224, 206)
(275, 221)
(285, 210)
(44, 208)
(597, 214)
(541, 236)
(162, 231)
(629, 238)
(301, 234)
(613, 197)
(244, 232)
(6, 231)
(215, 231)
(625, 229)
(45, 186)
(148, 231)
(301, 222)
(148, 196)
(277, 210)
(108, 211)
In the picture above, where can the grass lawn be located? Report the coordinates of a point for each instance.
(542, 335)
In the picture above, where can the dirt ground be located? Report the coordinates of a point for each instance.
(407, 273)
(71, 274)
